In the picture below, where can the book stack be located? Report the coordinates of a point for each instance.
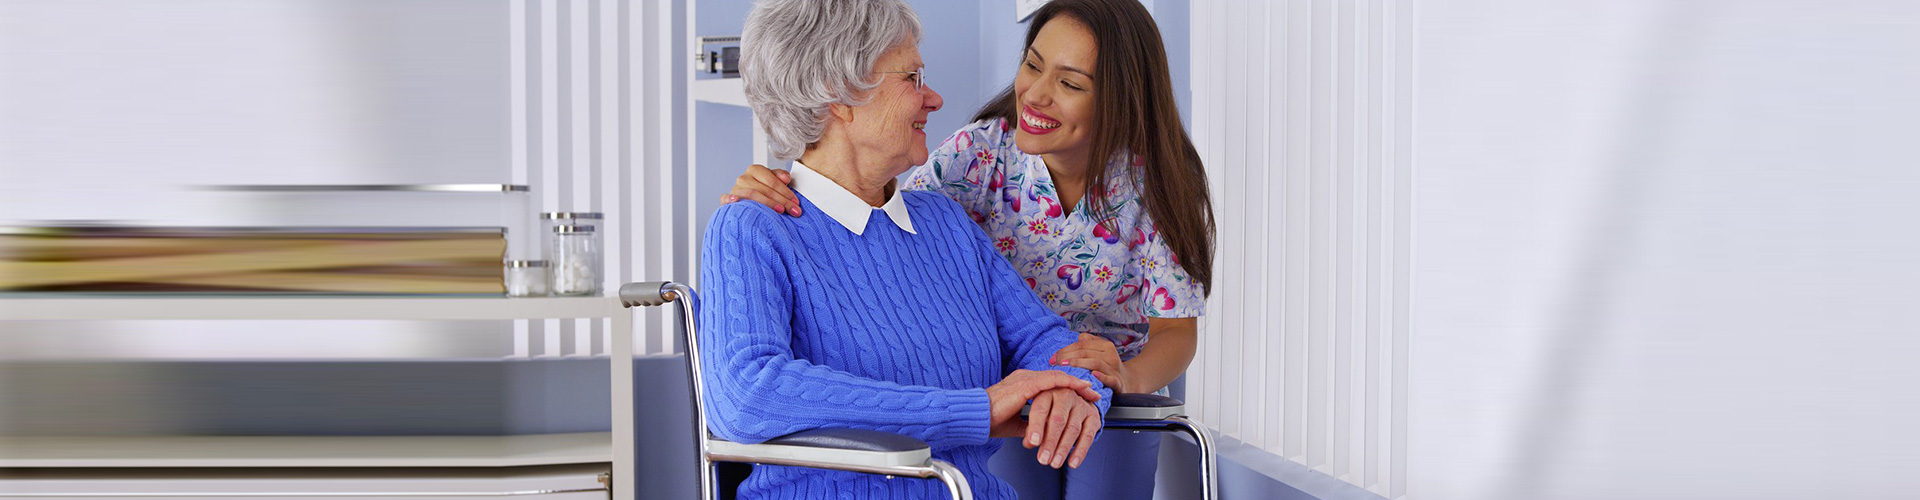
(253, 260)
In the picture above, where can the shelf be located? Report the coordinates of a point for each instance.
(397, 188)
(552, 482)
(720, 90)
(304, 308)
(306, 451)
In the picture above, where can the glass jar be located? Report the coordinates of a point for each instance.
(576, 260)
(550, 220)
(527, 278)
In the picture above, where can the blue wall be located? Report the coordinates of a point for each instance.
(1001, 42)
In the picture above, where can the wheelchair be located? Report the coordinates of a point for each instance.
(875, 452)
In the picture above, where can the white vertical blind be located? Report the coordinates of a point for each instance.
(1302, 113)
(591, 97)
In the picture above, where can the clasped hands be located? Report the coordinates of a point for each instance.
(1063, 421)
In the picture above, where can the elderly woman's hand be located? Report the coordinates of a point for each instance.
(767, 186)
(1098, 355)
(1013, 392)
(1062, 426)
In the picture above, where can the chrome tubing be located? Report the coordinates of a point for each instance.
(654, 293)
(955, 481)
(1209, 470)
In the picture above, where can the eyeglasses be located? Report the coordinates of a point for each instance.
(919, 78)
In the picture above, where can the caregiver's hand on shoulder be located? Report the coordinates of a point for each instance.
(1062, 426)
(1098, 355)
(767, 186)
(1013, 392)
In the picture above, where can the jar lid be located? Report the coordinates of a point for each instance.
(572, 229)
(572, 215)
(527, 263)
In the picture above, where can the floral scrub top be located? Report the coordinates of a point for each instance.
(1102, 281)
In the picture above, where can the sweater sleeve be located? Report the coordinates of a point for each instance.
(1029, 332)
(755, 387)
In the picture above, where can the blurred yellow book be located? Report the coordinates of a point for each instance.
(310, 260)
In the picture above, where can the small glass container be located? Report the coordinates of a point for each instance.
(527, 278)
(576, 260)
(550, 220)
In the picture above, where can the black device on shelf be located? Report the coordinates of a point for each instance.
(720, 55)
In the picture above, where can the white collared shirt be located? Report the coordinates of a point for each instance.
(843, 206)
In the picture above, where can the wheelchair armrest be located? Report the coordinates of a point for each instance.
(1138, 406)
(1142, 406)
(827, 447)
(851, 439)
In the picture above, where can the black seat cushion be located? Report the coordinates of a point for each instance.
(1144, 400)
(851, 439)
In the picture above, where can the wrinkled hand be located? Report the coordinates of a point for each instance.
(1098, 355)
(767, 186)
(1062, 425)
(1013, 392)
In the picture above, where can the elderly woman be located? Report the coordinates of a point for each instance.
(877, 309)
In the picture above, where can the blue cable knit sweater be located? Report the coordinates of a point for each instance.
(807, 325)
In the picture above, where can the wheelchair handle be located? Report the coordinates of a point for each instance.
(648, 293)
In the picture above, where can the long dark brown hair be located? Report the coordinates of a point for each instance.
(1137, 116)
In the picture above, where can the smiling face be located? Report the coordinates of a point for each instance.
(1055, 93)
(889, 128)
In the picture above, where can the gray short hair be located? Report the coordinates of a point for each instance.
(798, 56)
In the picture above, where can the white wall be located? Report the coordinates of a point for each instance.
(108, 108)
(1662, 250)
(1301, 113)
(1658, 249)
